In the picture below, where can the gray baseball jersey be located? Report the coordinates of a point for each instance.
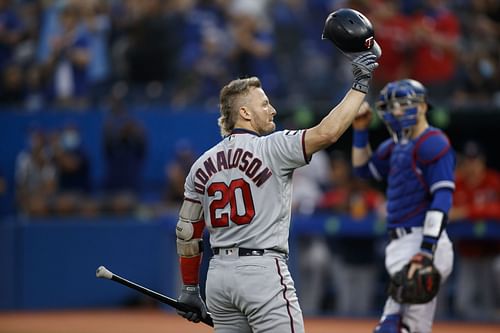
(244, 184)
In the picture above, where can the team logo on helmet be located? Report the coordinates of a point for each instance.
(369, 42)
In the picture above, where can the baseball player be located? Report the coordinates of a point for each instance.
(418, 165)
(241, 191)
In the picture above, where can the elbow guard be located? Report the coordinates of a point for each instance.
(189, 238)
(189, 230)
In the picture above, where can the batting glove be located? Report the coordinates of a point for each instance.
(190, 295)
(362, 68)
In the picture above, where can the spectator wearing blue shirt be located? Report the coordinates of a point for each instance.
(68, 59)
(125, 150)
(97, 22)
(11, 32)
(253, 38)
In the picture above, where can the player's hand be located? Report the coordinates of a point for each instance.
(362, 68)
(190, 295)
(363, 118)
(418, 261)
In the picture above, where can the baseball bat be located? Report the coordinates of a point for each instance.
(103, 272)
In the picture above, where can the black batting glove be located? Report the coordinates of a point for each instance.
(362, 68)
(190, 295)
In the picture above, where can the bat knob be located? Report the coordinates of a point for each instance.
(103, 272)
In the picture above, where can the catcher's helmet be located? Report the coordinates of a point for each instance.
(351, 31)
(403, 95)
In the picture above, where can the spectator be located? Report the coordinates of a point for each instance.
(11, 32)
(35, 97)
(291, 19)
(12, 86)
(176, 172)
(435, 36)
(30, 16)
(36, 177)
(125, 150)
(253, 38)
(97, 22)
(394, 37)
(480, 59)
(477, 198)
(67, 60)
(73, 172)
(205, 54)
(152, 46)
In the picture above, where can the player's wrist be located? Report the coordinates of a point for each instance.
(362, 68)
(422, 257)
(191, 288)
(427, 253)
(360, 138)
(361, 86)
(428, 245)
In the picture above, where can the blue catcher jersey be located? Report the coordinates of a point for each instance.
(414, 171)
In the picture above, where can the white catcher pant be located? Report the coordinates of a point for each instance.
(252, 294)
(418, 317)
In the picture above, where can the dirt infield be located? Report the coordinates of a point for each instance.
(154, 321)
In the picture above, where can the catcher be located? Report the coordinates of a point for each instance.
(418, 165)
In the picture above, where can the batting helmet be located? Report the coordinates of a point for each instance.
(351, 32)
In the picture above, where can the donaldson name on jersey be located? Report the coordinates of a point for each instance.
(244, 160)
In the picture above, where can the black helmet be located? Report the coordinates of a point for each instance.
(350, 31)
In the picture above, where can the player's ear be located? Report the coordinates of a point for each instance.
(423, 107)
(245, 113)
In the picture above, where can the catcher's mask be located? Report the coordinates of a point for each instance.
(397, 105)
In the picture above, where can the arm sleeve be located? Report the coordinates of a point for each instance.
(438, 161)
(442, 200)
(378, 165)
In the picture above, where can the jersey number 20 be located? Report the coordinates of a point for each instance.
(228, 196)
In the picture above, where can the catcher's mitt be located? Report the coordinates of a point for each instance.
(422, 287)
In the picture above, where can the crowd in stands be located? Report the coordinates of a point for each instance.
(53, 176)
(71, 54)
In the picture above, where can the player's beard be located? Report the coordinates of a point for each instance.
(264, 127)
(272, 127)
(269, 128)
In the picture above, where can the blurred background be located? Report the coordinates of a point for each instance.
(105, 104)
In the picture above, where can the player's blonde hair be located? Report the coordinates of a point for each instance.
(229, 95)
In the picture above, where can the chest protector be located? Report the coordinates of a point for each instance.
(408, 196)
